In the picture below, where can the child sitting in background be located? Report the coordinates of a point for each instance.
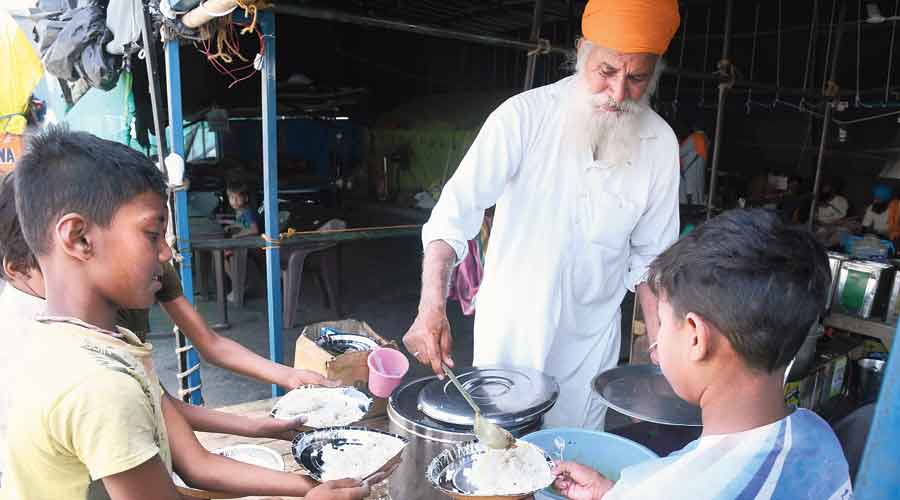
(93, 213)
(245, 222)
(736, 299)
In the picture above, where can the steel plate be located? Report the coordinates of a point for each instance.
(340, 343)
(283, 407)
(307, 447)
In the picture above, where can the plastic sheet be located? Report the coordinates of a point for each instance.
(73, 48)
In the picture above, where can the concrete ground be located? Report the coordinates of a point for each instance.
(381, 280)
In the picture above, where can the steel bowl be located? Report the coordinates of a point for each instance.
(446, 473)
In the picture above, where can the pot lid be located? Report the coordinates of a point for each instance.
(642, 392)
(507, 396)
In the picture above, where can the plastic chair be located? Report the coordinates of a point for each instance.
(238, 274)
(328, 262)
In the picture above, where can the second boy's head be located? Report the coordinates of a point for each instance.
(739, 293)
(20, 268)
(238, 195)
(94, 214)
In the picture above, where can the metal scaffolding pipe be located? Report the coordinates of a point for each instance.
(726, 70)
(829, 108)
(421, 29)
(536, 22)
(823, 28)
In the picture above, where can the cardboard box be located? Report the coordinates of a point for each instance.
(350, 368)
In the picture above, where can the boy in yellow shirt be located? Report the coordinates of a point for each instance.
(86, 404)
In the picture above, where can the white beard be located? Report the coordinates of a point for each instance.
(612, 137)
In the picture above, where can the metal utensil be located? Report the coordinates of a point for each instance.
(560, 445)
(489, 433)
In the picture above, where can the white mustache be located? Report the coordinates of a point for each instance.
(603, 100)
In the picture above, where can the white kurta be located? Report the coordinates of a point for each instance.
(570, 235)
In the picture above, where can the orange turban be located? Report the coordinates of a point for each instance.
(631, 26)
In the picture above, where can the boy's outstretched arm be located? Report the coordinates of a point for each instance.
(148, 481)
(206, 420)
(201, 469)
(226, 353)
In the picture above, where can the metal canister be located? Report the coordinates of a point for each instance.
(834, 261)
(893, 309)
(869, 379)
(864, 289)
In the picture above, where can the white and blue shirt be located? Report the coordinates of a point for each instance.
(797, 457)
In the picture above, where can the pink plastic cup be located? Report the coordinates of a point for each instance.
(386, 369)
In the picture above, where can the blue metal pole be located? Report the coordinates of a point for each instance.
(878, 477)
(182, 228)
(270, 189)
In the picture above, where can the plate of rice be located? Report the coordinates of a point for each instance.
(473, 471)
(323, 406)
(342, 452)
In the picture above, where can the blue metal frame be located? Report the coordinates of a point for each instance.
(182, 226)
(270, 189)
(879, 471)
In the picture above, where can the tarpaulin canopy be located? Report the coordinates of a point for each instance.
(22, 72)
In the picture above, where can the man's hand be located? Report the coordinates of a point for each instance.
(297, 377)
(343, 489)
(276, 428)
(579, 482)
(429, 339)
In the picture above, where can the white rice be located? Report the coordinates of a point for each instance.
(323, 407)
(358, 461)
(518, 470)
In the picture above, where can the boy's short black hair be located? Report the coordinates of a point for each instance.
(13, 248)
(759, 281)
(238, 186)
(67, 171)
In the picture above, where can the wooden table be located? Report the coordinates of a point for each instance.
(261, 408)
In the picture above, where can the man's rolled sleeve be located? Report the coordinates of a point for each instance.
(658, 227)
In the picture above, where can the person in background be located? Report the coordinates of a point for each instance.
(245, 221)
(883, 215)
(694, 148)
(794, 204)
(833, 206)
(730, 360)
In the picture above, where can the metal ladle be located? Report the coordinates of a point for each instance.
(488, 433)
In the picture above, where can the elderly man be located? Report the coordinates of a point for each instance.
(585, 179)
